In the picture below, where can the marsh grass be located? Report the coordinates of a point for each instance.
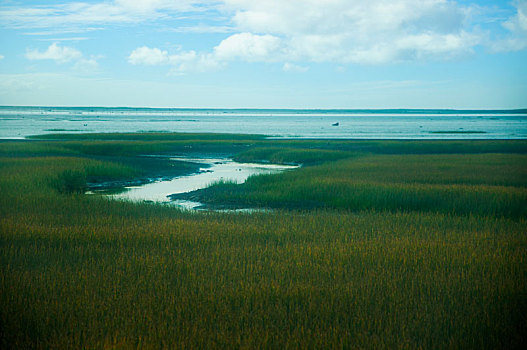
(32, 149)
(285, 155)
(393, 146)
(247, 146)
(487, 184)
(129, 144)
(81, 271)
(70, 181)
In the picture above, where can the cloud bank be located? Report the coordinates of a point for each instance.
(346, 32)
(373, 31)
(355, 31)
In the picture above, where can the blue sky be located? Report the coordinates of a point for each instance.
(264, 54)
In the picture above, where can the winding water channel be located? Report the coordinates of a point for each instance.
(215, 169)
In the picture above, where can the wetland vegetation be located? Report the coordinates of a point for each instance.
(371, 244)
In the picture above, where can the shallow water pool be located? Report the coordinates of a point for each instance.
(214, 169)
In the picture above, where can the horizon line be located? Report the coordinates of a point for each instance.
(515, 110)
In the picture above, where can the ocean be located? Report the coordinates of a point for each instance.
(19, 122)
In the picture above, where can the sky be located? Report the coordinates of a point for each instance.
(264, 53)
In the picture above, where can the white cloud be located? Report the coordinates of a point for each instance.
(2, 57)
(243, 46)
(64, 54)
(345, 31)
(56, 53)
(356, 31)
(345, 16)
(181, 62)
(147, 56)
(338, 31)
(248, 47)
(190, 61)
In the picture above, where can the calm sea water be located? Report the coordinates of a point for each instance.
(19, 122)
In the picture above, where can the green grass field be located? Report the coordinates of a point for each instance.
(371, 244)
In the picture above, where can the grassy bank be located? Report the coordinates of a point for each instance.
(83, 272)
(459, 184)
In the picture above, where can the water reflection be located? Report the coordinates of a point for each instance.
(214, 169)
